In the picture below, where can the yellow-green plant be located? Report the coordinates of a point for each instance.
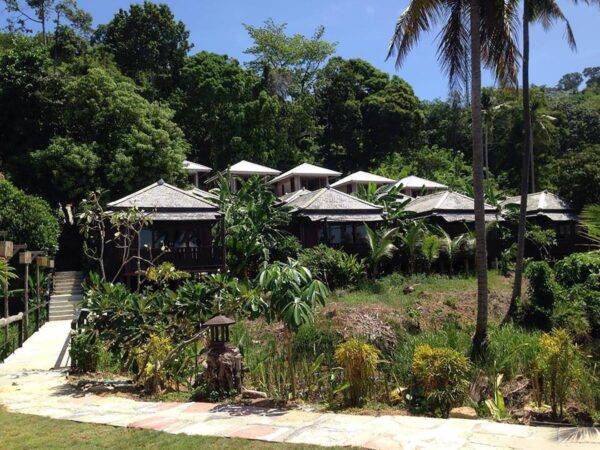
(152, 359)
(441, 373)
(557, 367)
(359, 361)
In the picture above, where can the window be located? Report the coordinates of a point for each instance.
(179, 239)
(335, 234)
(347, 234)
(146, 238)
(161, 237)
(360, 233)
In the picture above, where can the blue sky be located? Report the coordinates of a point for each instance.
(362, 29)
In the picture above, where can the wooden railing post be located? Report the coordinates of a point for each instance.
(20, 333)
(37, 294)
(25, 259)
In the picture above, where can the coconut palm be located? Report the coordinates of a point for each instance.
(546, 12)
(431, 249)
(489, 37)
(381, 247)
(452, 247)
(411, 240)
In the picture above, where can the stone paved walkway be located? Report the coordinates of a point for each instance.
(45, 393)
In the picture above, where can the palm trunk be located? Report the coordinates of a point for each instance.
(516, 293)
(480, 336)
(531, 155)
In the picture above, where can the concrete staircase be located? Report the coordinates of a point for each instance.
(67, 293)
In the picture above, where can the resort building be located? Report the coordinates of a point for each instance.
(414, 186)
(182, 222)
(328, 216)
(195, 171)
(304, 176)
(450, 210)
(244, 170)
(549, 211)
(351, 183)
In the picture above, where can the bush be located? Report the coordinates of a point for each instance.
(335, 267)
(543, 292)
(27, 219)
(577, 268)
(441, 374)
(84, 353)
(587, 298)
(359, 361)
(450, 336)
(558, 366)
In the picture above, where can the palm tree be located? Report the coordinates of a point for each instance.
(452, 247)
(489, 36)
(431, 250)
(546, 12)
(411, 240)
(381, 247)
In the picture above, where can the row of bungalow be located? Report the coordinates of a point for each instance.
(323, 211)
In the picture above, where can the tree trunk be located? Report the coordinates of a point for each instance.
(480, 336)
(531, 155)
(516, 293)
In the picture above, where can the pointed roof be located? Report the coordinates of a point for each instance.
(205, 195)
(362, 178)
(333, 205)
(190, 166)
(166, 202)
(450, 205)
(545, 204)
(414, 182)
(248, 168)
(306, 169)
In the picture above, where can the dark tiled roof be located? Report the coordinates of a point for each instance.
(450, 205)
(165, 202)
(331, 204)
(545, 204)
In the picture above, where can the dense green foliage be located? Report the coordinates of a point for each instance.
(334, 267)
(294, 101)
(27, 219)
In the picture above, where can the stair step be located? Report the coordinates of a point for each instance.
(61, 317)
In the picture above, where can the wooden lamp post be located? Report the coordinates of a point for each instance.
(25, 258)
(6, 252)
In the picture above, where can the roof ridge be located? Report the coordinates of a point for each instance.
(354, 197)
(133, 194)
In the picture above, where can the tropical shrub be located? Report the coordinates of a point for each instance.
(312, 340)
(254, 224)
(543, 292)
(334, 267)
(381, 247)
(27, 219)
(558, 365)
(84, 353)
(359, 361)
(152, 360)
(577, 268)
(441, 374)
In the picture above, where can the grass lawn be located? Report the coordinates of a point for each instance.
(21, 431)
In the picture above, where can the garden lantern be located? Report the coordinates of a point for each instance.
(223, 361)
(25, 257)
(6, 249)
(218, 328)
(42, 261)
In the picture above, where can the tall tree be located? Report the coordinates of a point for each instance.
(288, 64)
(42, 12)
(545, 12)
(488, 36)
(148, 45)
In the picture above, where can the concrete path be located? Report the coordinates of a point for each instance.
(44, 350)
(45, 393)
